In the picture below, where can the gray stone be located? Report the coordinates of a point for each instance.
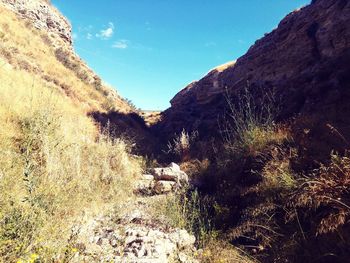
(170, 173)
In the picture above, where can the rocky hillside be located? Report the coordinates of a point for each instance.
(304, 60)
(54, 48)
(43, 16)
(37, 39)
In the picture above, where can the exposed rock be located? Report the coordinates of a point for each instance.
(133, 238)
(148, 177)
(43, 16)
(305, 60)
(170, 173)
(162, 180)
(163, 187)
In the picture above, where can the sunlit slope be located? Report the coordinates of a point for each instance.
(50, 60)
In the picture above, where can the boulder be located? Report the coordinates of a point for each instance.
(170, 173)
(183, 239)
(143, 186)
(147, 177)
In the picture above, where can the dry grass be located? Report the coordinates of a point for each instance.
(27, 48)
(249, 124)
(181, 144)
(190, 211)
(218, 251)
(326, 193)
(56, 169)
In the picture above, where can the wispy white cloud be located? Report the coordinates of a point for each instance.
(148, 26)
(75, 36)
(121, 44)
(106, 33)
(89, 36)
(210, 44)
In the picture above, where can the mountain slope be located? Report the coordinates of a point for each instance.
(51, 58)
(304, 60)
(57, 167)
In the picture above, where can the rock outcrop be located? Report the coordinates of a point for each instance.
(43, 16)
(305, 60)
(162, 180)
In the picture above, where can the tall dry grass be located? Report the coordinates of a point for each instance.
(56, 168)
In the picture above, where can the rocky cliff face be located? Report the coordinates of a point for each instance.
(305, 60)
(43, 16)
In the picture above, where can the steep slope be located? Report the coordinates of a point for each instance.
(304, 60)
(268, 139)
(56, 168)
(43, 16)
(37, 40)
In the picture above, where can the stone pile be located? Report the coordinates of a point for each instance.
(133, 238)
(162, 180)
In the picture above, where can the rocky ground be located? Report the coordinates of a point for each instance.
(131, 234)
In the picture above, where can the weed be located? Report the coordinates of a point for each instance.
(249, 124)
(181, 144)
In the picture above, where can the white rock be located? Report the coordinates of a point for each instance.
(147, 177)
(170, 173)
(174, 166)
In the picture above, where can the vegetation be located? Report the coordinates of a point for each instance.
(56, 168)
(268, 198)
(261, 194)
(26, 48)
(181, 144)
(188, 210)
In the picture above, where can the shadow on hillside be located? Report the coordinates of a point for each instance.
(130, 126)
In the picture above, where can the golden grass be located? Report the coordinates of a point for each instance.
(56, 169)
(218, 251)
(24, 47)
(225, 66)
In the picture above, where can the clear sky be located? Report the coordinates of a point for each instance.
(150, 49)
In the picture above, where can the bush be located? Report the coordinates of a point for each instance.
(189, 210)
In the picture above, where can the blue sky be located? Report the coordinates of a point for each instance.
(150, 49)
